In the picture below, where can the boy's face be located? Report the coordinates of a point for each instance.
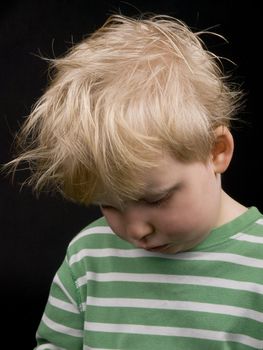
(180, 207)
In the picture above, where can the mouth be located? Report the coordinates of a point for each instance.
(159, 248)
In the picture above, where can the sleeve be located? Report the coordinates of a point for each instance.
(61, 326)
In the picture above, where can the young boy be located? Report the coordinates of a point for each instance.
(136, 120)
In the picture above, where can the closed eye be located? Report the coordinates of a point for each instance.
(159, 202)
(105, 206)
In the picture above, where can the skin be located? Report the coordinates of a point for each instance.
(183, 202)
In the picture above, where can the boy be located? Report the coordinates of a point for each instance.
(136, 120)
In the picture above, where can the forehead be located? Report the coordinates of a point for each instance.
(167, 175)
(148, 182)
(171, 174)
(167, 171)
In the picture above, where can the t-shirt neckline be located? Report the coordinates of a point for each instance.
(225, 231)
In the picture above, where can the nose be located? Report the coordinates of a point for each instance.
(139, 232)
(137, 224)
(138, 227)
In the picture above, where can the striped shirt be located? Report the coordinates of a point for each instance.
(109, 295)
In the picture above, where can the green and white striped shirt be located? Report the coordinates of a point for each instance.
(109, 295)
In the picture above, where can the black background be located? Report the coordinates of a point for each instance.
(36, 231)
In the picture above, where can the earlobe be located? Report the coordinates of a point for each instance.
(223, 148)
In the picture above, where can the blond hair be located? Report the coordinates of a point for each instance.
(133, 89)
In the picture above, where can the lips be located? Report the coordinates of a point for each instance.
(158, 248)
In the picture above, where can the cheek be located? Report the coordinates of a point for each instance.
(186, 217)
(113, 219)
(184, 228)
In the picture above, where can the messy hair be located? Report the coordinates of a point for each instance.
(135, 88)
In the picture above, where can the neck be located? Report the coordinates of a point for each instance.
(230, 209)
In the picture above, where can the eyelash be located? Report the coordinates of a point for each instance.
(159, 201)
(156, 203)
(106, 206)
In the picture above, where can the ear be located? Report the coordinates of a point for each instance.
(223, 148)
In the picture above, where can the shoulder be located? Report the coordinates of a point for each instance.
(254, 218)
(95, 237)
(96, 244)
(250, 222)
(248, 237)
(89, 233)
